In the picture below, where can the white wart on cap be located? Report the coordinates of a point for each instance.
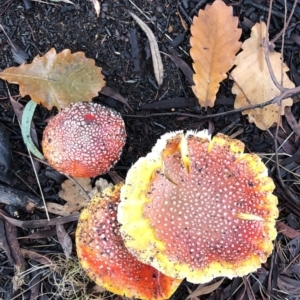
(198, 208)
(84, 140)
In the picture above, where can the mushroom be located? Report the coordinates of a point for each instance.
(198, 208)
(84, 140)
(102, 253)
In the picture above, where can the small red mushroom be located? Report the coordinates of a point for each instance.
(102, 253)
(198, 208)
(84, 140)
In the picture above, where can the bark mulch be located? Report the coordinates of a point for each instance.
(120, 47)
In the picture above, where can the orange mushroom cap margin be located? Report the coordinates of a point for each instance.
(108, 263)
(84, 140)
(198, 208)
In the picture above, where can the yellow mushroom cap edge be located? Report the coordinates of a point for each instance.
(142, 240)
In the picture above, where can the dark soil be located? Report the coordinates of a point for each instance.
(121, 48)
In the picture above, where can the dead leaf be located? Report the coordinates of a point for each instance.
(156, 58)
(64, 240)
(97, 7)
(39, 234)
(214, 43)
(203, 289)
(57, 79)
(253, 80)
(4, 245)
(109, 92)
(35, 282)
(292, 120)
(40, 223)
(185, 68)
(288, 285)
(287, 230)
(65, 1)
(182, 20)
(10, 234)
(190, 292)
(100, 185)
(72, 195)
(44, 260)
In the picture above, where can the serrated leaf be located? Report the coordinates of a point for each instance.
(73, 196)
(254, 84)
(57, 79)
(214, 43)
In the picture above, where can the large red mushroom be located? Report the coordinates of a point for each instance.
(199, 208)
(102, 253)
(84, 140)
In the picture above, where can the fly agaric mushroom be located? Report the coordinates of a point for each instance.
(198, 208)
(84, 140)
(102, 253)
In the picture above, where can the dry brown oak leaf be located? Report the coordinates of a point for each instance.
(214, 43)
(253, 82)
(57, 79)
(74, 198)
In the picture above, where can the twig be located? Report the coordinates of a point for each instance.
(260, 105)
(278, 85)
(34, 170)
(8, 3)
(287, 23)
(282, 42)
(271, 157)
(39, 185)
(9, 40)
(30, 28)
(82, 190)
(286, 94)
(270, 288)
(266, 45)
(264, 8)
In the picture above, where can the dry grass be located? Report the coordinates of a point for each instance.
(67, 279)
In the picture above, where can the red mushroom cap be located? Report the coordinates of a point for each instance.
(102, 253)
(84, 140)
(198, 208)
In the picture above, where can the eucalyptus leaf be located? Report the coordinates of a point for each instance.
(25, 126)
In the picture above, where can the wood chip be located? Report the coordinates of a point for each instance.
(19, 199)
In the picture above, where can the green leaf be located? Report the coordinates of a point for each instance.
(25, 127)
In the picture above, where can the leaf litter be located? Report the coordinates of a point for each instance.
(290, 261)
